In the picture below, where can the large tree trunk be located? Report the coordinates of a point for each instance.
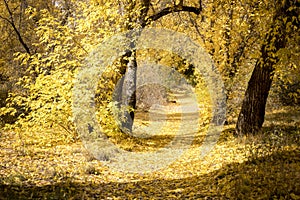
(128, 96)
(128, 91)
(251, 117)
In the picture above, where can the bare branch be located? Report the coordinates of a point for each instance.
(168, 10)
(7, 20)
(12, 23)
(196, 27)
(9, 11)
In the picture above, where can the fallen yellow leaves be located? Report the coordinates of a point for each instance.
(262, 167)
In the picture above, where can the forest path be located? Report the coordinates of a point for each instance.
(181, 111)
(160, 135)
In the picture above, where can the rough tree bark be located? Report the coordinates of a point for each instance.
(251, 117)
(128, 96)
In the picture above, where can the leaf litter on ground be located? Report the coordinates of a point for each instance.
(265, 166)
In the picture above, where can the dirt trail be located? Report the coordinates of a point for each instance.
(182, 104)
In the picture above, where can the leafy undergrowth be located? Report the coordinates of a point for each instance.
(265, 166)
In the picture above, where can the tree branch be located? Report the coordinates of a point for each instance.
(12, 23)
(9, 11)
(144, 11)
(168, 10)
(4, 18)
